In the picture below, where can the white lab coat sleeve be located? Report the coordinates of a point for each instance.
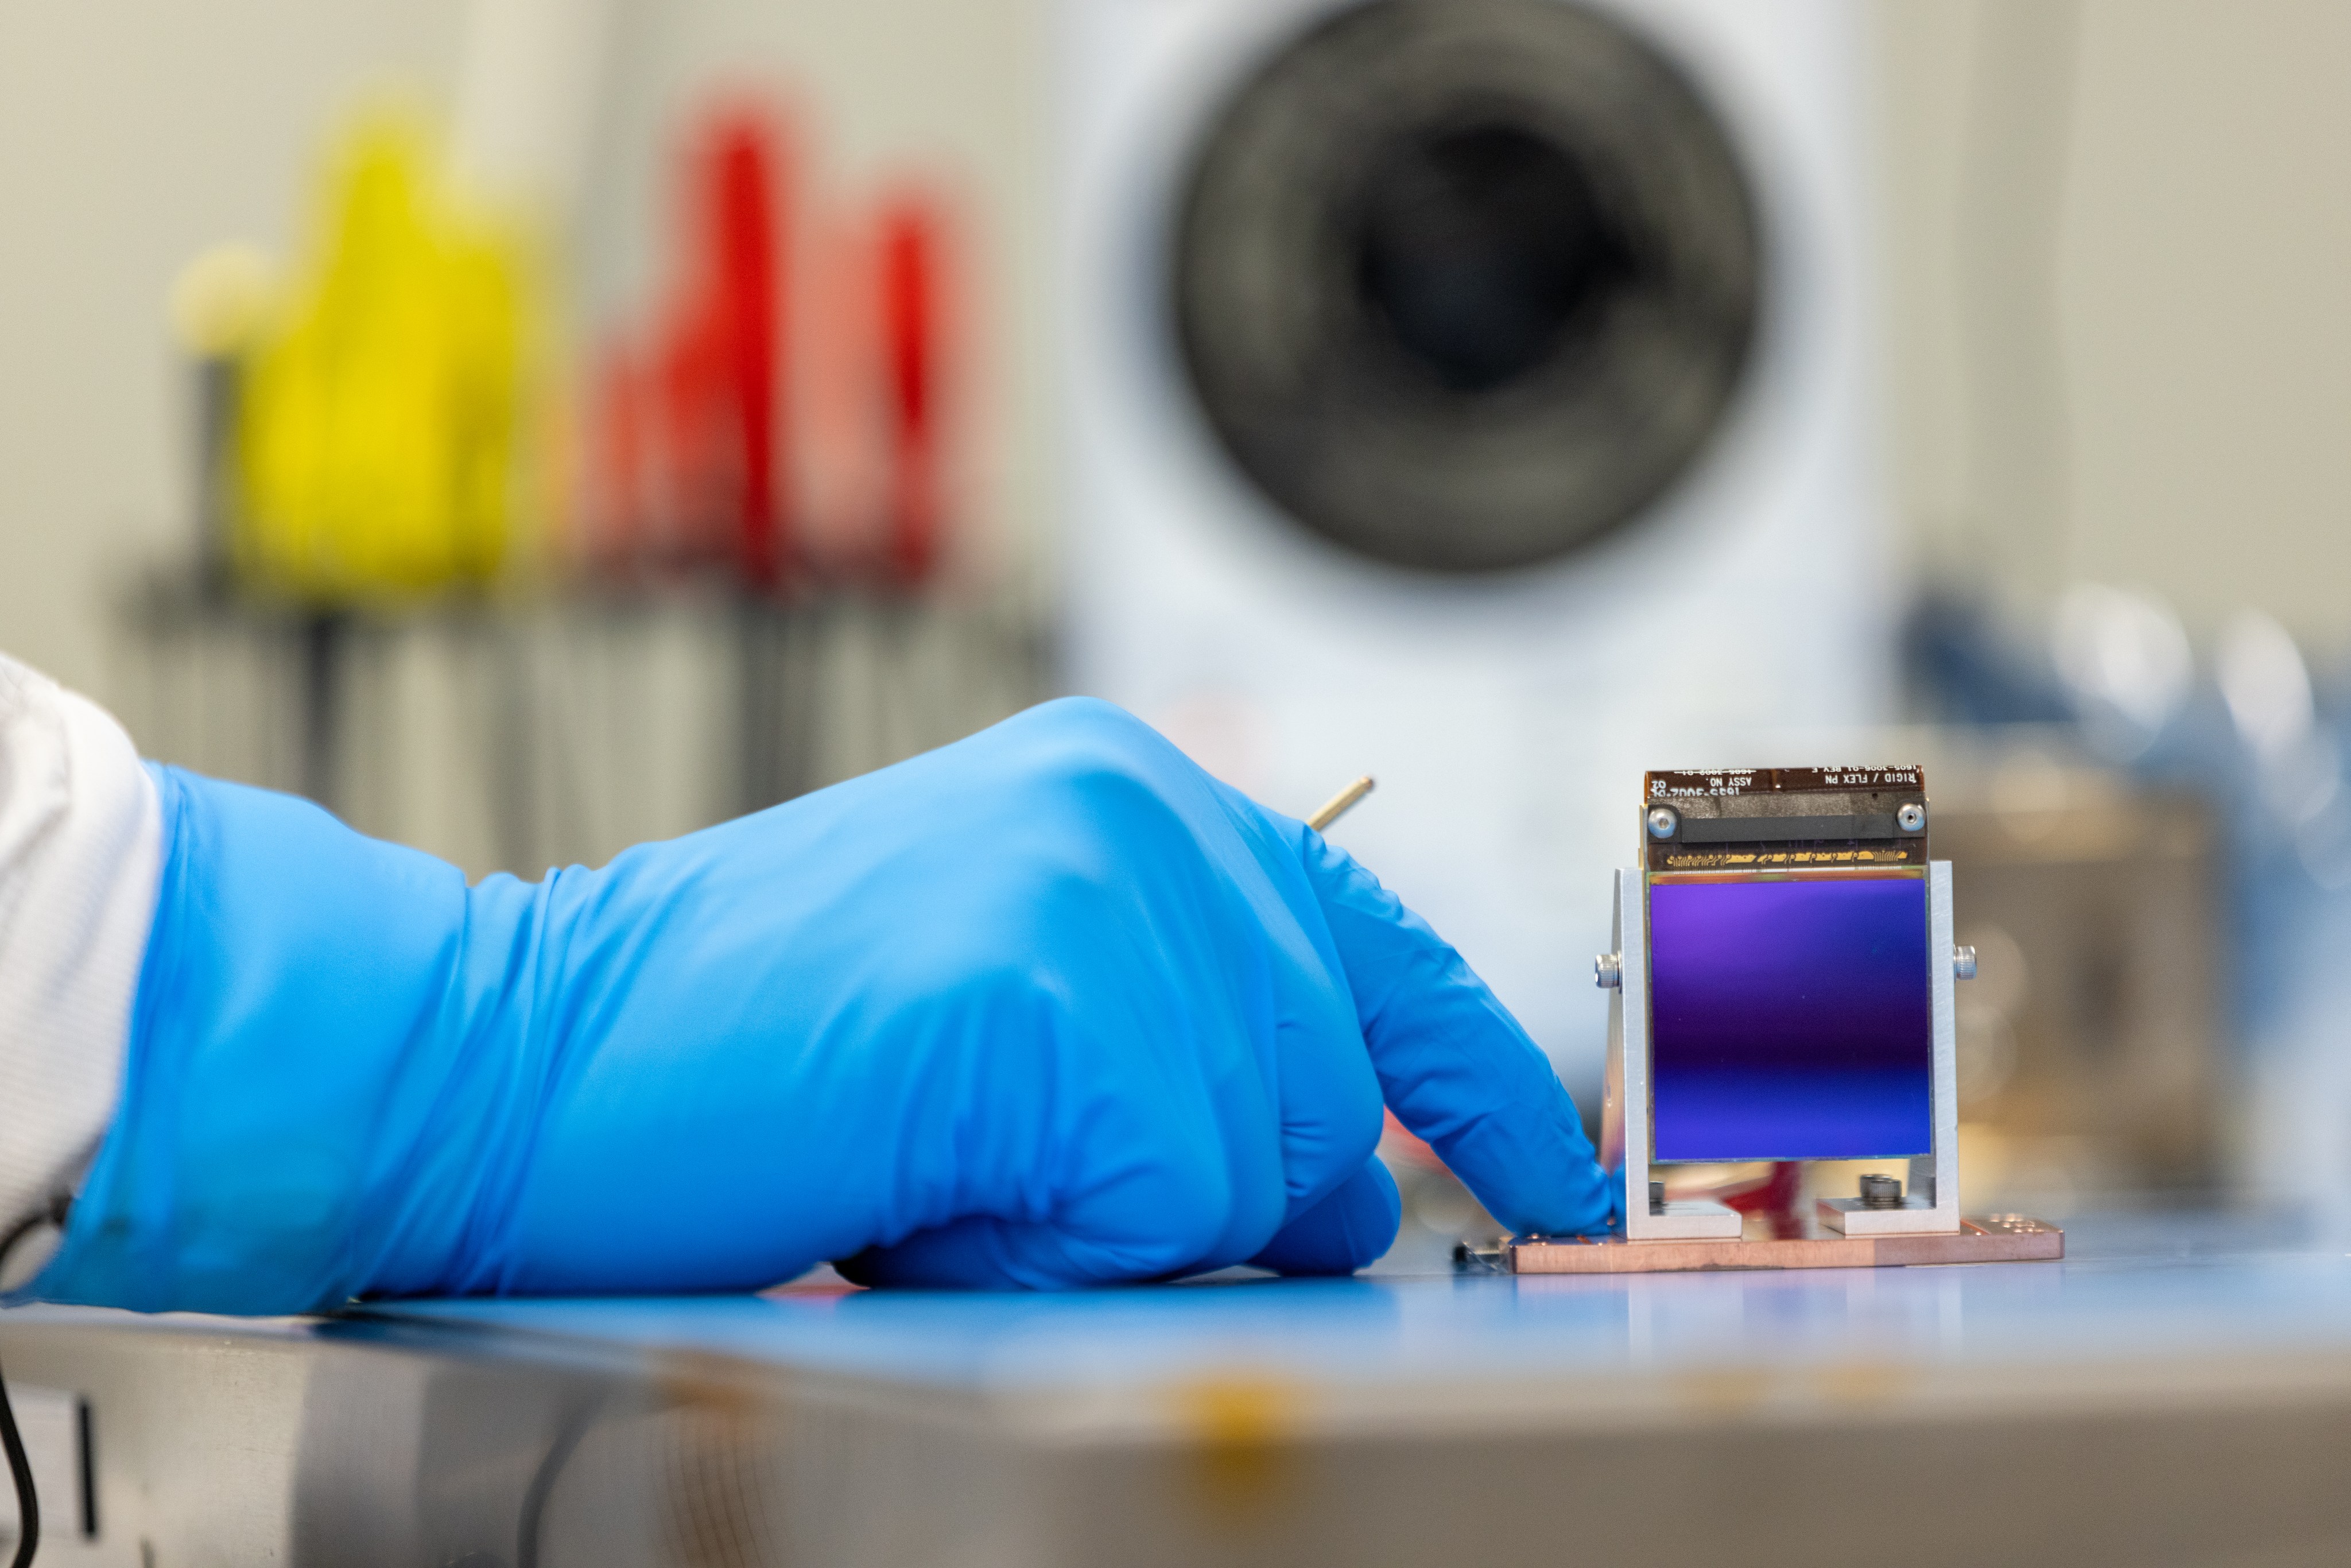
(81, 839)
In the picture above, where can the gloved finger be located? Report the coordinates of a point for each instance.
(1354, 1226)
(1184, 1210)
(980, 1253)
(1328, 1097)
(985, 1253)
(1452, 1062)
(1150, 1191)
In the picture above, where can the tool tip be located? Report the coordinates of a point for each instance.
(1338, 805)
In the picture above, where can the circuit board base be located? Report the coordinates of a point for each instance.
(1986, 1238)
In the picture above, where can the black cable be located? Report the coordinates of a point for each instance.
(20, 1470)
(20, 1467)
(542, 1481)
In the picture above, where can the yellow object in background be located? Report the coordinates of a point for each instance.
(380, 416)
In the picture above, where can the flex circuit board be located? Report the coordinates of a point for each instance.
(1784, 818)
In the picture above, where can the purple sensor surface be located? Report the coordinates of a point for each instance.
(1791, 1020)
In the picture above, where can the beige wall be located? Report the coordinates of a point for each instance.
(2120, 283)
(135, 132)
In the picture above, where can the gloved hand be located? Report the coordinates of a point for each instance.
(1045, 1008)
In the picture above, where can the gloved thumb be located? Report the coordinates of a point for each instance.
(1355, 1226)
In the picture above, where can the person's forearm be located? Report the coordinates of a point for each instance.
(79, 845)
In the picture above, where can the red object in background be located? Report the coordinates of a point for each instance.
(690, 461)
(787, 413)
(1774, 1197)
(910, 261)
(748, 242)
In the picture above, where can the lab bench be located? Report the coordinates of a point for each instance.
(2177, 1391)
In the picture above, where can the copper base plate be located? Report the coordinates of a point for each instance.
(1987, 1238)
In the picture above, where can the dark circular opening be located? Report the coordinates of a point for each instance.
(1465, 285)
(1477, 248)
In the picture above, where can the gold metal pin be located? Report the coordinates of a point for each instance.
(1337, 806)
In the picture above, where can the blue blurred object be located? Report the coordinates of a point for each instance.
(2251, 733)
(1964, 671)
(1046, 1007)
(1792, 1019)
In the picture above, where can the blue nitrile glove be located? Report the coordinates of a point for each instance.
(1045, 1008)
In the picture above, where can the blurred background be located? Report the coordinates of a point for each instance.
(530, 426)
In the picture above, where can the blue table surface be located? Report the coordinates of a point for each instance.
(2132, 1292)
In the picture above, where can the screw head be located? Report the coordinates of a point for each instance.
(1881, 1192)
(1911, 819)
(1963, 963)
(1608, 971)
(1662, 822)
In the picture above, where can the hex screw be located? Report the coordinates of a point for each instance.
(1880, 1192)
(1608, 971)
(1911, 819)
(1663, 821)
(1963, 962)
(1657, 1197)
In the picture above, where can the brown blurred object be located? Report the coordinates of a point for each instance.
(2088, 1043)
